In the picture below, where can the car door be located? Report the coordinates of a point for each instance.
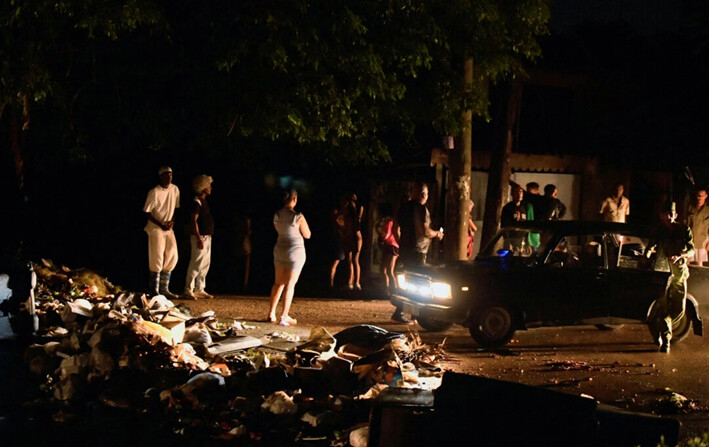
(635, 281)
(572, 285)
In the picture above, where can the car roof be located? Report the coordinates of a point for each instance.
(580, 227)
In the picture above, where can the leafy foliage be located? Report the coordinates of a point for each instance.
(40, 40)
(330, 77)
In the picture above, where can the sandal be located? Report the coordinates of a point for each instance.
(288, 320)
(270, 319)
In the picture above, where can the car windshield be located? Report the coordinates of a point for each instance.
(517, 242)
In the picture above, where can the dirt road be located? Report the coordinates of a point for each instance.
(618, 367)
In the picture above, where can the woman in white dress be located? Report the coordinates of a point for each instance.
(288, 255)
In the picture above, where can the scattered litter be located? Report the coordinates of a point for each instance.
(152, 357)
(287, 336)
(674, 403)
(279, 403)
(617, 367)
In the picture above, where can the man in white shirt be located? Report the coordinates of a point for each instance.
(159, 209)
(698, 221)
(615, 207)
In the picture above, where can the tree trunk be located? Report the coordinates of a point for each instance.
(16, 149)
(458, 188)
(499, 174)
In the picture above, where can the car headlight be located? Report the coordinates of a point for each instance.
(401, 279)
(441, 290)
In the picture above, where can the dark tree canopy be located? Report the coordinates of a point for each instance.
(97, 94)
(328, 77)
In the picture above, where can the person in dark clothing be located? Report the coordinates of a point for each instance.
(416, 235)
(201, 229)
(672, 242)
(551, 208)
(531, 196)
(517, 209)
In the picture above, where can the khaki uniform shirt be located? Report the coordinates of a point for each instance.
(698, 221)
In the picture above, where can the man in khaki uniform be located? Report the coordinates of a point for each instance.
(673, 242)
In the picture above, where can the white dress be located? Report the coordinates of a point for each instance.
(289, 251)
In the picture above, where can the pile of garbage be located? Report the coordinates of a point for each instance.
(102, 355)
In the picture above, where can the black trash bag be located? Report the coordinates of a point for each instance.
(366, 336)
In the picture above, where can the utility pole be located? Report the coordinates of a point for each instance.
(458, 185)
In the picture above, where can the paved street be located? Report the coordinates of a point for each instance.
(618, 367)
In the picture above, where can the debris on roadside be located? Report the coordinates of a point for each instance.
(671, 402)
(570, 365)
(99, 346)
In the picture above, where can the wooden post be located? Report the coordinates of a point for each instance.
(499, 174)
(458, 192)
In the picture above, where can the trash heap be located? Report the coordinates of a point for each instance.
(105, 359)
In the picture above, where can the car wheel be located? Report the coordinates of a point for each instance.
(492, 325)
(608, 327)
(680, 328)
(432, 324)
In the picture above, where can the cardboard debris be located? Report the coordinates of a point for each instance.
(126, 350)
(233, 344)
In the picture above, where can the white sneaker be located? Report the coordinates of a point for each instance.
(203, 295)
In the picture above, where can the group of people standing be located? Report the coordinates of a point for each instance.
(346, 222)
(530, 205)
(408, 237)
(159, 209)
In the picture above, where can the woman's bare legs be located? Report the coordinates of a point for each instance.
(355, 260)
(276, 291)
(287, 300)
(392, 266)
(384, 269)
(356, 269)
(350, 270)
(279, 284)
(333, 270)
(284, 286)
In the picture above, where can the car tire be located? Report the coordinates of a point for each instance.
(608, 327)
(492, 325)
(680, 328)
(432, 324)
